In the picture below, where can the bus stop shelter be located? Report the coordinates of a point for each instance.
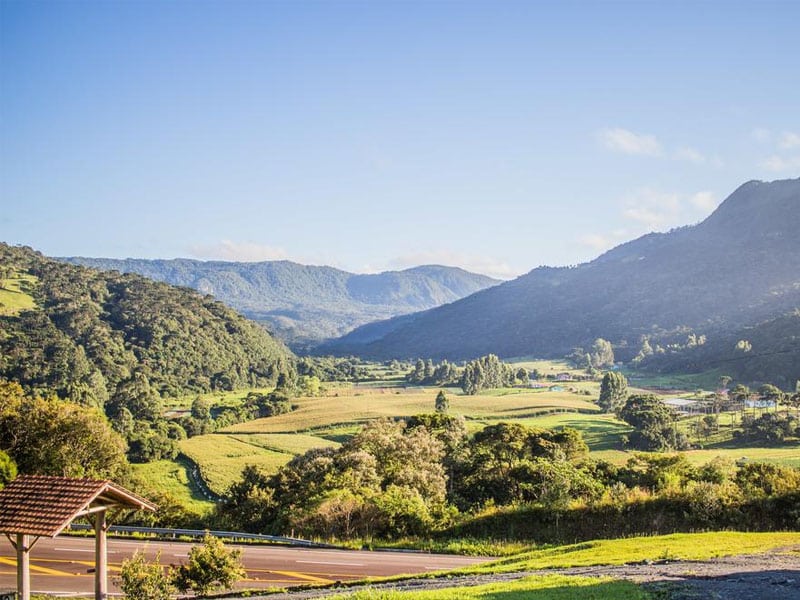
(36, 506)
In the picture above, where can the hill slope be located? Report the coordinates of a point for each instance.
(84, 332)
(737, 268)
(305, 304)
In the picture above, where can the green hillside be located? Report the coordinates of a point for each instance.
(84, 333)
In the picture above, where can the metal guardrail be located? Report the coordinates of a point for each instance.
(199, 533)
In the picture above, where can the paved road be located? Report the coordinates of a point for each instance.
(62, 565)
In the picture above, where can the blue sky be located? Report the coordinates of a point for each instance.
(497, 136)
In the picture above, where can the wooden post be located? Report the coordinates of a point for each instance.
(100, 557)
(23, 567)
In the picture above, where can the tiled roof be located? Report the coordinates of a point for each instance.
(45, 505)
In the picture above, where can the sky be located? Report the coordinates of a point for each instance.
(495, 136)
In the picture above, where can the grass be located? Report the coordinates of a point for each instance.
(288, 443)
(707, 380)
(601, 432)
(221, 459)
(14, 296)
(172, 478)
(549, 587)
(678, 546)
(786, 455)
(235, 398)
(358, 405)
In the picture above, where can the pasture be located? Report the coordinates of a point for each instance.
(15, 294)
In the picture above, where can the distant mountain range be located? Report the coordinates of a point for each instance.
(302, 304)
(737, 273)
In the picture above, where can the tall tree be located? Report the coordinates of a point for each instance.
(442, 404)
(613, 391)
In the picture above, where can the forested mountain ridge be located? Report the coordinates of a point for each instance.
(305, 304)
(739, 267)
(89, 333)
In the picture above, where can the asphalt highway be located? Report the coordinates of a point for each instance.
(63, 566)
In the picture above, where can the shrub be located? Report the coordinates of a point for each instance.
(140, 580)
(210, 567)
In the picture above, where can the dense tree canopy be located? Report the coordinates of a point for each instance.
(653, 423)
(48, 436)
(93, 332)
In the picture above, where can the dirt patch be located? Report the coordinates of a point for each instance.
(770, 576)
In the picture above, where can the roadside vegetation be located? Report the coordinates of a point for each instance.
(549, 587)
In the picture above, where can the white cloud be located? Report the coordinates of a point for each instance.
(652, 208)
(470, 262)
(691, 155)
(789, 140)
(596, 241)
(781, 163)
(655, 210)
(648, 209)
(628, 142)
(238, 251)
(704, 201)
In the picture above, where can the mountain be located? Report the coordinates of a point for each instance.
(305, 304)
(84, 333)
(738, 268)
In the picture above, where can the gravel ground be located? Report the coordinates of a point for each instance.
(770, 576)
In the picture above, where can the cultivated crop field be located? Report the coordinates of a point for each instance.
(325, 421)
(221, 458)
(172, 477)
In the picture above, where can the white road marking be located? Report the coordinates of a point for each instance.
(321, 562)
(79, 550)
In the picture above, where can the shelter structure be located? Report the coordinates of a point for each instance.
(36, 506)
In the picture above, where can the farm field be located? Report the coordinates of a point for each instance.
(325, 421)
(172, 477)
(221, 458)
(332, 418)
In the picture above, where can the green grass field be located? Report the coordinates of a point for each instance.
(784, 455)
(358, 405)
(14, 296)
(684, 546)
(221, 459)
(172, 477)
(548, 587)
(601, 432)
